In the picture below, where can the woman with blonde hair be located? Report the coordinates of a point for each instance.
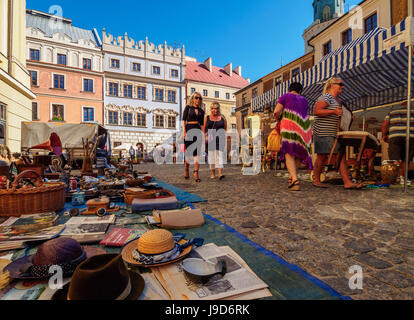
(328, 111)
(216, 126)
(193, 119)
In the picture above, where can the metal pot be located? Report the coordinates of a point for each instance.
(202, 271)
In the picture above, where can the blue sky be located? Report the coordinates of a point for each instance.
(256, 34)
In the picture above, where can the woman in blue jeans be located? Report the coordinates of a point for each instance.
(328, 111)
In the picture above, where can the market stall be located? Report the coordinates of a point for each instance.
(376, 69)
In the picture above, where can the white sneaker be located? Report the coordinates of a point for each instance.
(402, 181)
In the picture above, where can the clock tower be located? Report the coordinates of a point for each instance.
(325, 12)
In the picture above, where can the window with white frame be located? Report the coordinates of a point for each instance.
(2, 112)
(88, 114)
(156, 70)
(127, 119)
(2, 123)
(205, 93)
(192, 90)
(87, 64)
(141, 93)
(228, 96)
(35, 54)
(58, 112)
(172, 122)
(159, 121)
(136, 67)
(128, 90)
(141, 120)
(115, 64)
(113, 89)
(34, 80)
(58, 81)
(217, 94)
(61, 59)
(112, 117)
(35, 111)
(174, 73)
(172, 95)
(159, 94)
(88, 85)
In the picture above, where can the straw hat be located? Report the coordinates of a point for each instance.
(153, 243)
(4, 276)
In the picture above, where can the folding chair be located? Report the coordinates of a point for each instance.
(357, 139)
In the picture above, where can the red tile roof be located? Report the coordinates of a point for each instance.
(197, 71)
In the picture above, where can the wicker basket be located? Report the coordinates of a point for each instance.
(4, 171)
(45, 197)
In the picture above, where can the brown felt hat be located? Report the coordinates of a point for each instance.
(102, 277)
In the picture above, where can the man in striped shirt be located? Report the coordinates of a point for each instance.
(394, 130)
(328, 111)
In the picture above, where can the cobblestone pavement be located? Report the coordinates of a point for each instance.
(324, 231)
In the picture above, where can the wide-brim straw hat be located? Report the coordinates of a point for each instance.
(4, 275)
(153, 242)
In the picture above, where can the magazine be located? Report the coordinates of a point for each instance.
(29, 222)
(41, 234)
(91, 220)
(85, 228)
(118, 237)
(238, 283)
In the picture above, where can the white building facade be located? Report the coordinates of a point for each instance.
(144, 90)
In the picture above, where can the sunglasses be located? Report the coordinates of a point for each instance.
(198, 98)
(340, 84)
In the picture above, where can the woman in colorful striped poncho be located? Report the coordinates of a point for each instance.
(296, 132)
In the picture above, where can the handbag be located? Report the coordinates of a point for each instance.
(274, 141)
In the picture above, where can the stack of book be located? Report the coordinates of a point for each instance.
(88, 229)
(17, 232)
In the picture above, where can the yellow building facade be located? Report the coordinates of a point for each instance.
(15, 94)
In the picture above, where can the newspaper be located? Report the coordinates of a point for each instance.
(238, 280)
(153, 289)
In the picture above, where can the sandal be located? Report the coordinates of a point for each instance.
(196, 177)
(221, 177)
(294, 186)
(355, 187)
(322, 186)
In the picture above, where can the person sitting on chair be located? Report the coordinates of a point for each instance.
(328, 111)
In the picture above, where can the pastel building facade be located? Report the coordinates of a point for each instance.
(216, 84)
(144, 90)
(66, 70)
(15, 93)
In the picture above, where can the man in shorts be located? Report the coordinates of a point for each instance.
(394, 131)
